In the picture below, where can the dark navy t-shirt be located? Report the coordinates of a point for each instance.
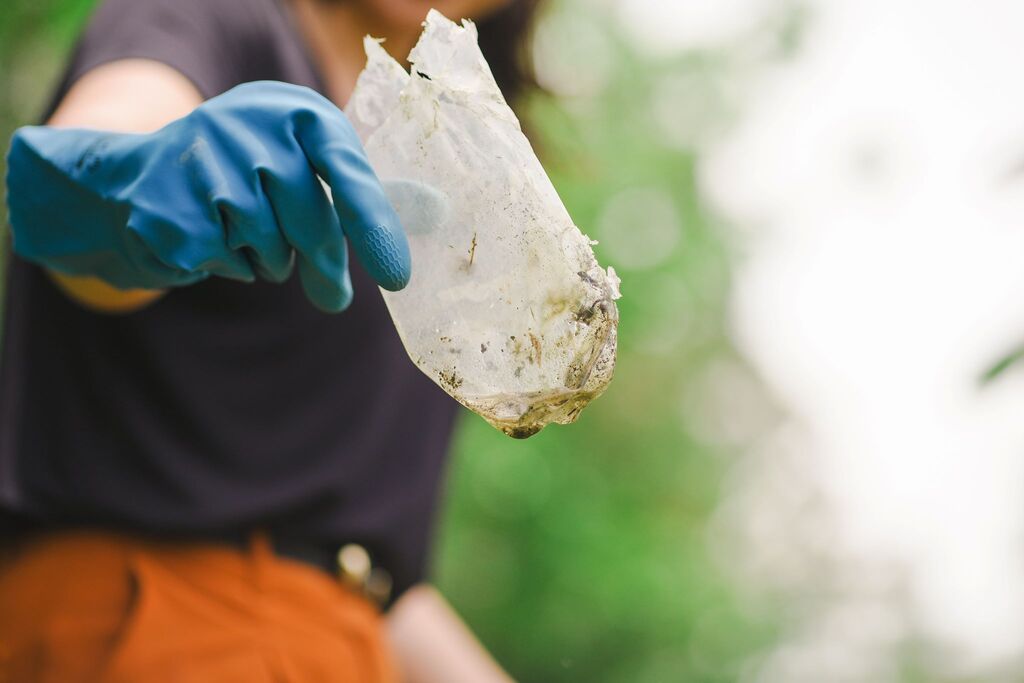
(224, 406)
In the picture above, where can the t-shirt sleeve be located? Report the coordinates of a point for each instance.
(202, 39)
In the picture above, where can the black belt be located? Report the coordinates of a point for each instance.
(351, 564)
(317, 554)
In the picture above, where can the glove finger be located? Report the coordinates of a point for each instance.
(329, 292)
(229, 264)
(194, 236)
(251, 227)
(367, 218)
(189, 249)
(308, 222)
(149, 271)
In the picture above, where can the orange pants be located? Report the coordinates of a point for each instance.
(105, 608)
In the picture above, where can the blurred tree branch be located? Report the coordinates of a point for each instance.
(1000, 367)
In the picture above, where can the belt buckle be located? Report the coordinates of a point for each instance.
(356, 571)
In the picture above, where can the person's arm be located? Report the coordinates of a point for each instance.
(128, 96)
(231, 189)
(433, 645)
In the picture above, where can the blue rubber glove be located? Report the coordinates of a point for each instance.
(229, 190)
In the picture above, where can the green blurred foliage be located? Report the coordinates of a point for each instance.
(35, 36)
(583, 553)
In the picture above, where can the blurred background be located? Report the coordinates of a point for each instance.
(808, 467)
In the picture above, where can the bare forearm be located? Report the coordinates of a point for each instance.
(433, 645)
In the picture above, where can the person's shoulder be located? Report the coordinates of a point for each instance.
(211, 42)
(223, 19)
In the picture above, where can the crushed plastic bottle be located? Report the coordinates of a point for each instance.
(507, 310)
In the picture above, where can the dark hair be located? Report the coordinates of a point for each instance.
(505, 36)
(505, 41)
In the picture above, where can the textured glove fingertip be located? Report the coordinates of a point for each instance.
(386, 258)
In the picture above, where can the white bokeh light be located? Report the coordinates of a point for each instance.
(887, 277)
(571, 55)
(665, 26)
(640, 227)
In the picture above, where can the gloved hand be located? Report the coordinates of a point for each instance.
(229, 190)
